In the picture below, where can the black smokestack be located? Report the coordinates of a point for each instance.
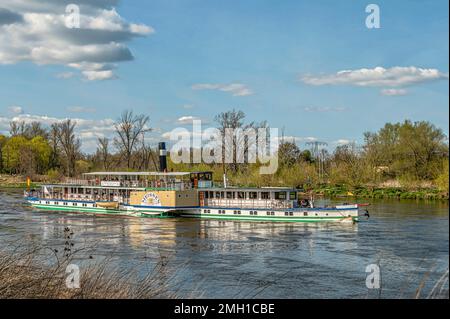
(162, 157)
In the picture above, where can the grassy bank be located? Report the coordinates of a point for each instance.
(43, 273)
(381, 192)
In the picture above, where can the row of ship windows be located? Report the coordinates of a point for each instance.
(66, 204)
(238, 212)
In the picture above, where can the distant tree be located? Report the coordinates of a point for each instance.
(234, 120)
(35, 129)
(413, 149)
(288, 154)
(17, 128)
(306, 156)
(41, 151)
(103, 152)
(70, 144)
(3, 140)
(12, 152)
(82, 166)
(129, 128)
(53, 139)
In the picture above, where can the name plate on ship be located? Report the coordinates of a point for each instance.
(110, 184)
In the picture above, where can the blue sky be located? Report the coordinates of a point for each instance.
(275, 60)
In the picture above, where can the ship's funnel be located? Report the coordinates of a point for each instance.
(162, 157)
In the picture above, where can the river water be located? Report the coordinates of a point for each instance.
(407, 240)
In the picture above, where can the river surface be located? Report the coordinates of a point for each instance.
(408, 240)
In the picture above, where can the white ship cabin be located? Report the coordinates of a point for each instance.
(118, 186)
(257, 198)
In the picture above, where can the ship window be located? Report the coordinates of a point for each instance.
(272, 213)
(291, 214)
(268, 213)
(239, 212)
(265, 195)
(230, 195)
(217, 194)
(251, 213)
(305, 213)
(255, 213)
(211, 194)
(293, 195)
(241, 195)
(65, 204)
(253, 195)
(56, 203)
(280, 195)
(205, 194)
(286, 213)
(74, 204)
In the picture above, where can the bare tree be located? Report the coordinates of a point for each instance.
(35, 129)
(129, 128)
(17, 128)
(69, 143)
(53, 137)
(103, 152)
(235, 120)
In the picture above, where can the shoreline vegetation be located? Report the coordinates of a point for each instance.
(420, 192)
(42, 272)
(408, 160)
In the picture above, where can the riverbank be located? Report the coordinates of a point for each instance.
(337, 191)
(329, 191)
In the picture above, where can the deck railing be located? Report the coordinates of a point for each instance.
(130, 184)
(249, 203)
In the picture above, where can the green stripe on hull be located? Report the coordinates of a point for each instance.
(270, 218)
(102, 211)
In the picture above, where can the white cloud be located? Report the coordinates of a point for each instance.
(394, 92)
(379, 76)
(35, 30)
(236, 89)
(15, 109)
(342, 142)
(81, 109)
(99, 75)
(65, 75)
(187, 119)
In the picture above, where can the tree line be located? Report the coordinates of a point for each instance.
(33, 149)
(407, 152)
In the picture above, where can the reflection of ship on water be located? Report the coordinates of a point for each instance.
(268, 236)
(151, 233)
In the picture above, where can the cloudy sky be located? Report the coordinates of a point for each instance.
(310, 67)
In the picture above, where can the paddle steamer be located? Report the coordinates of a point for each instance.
(181, 194)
